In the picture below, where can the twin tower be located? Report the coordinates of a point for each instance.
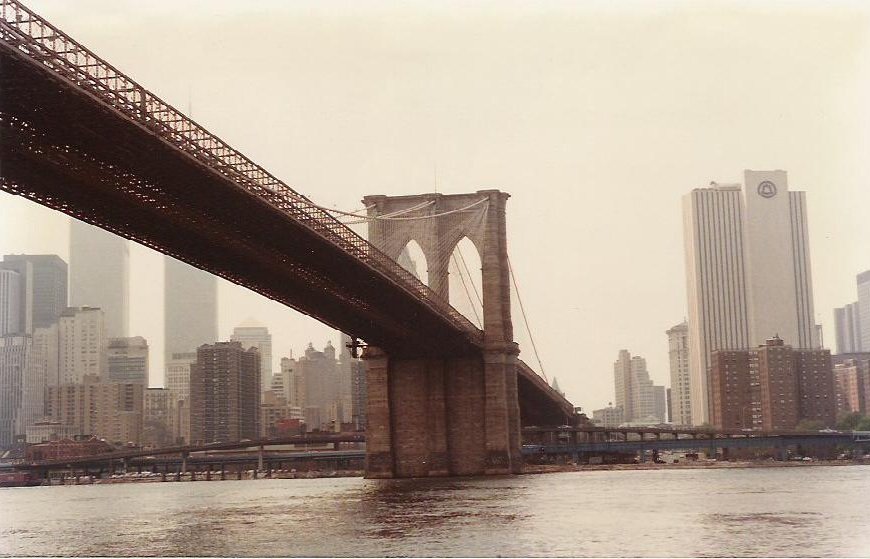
(451, 414)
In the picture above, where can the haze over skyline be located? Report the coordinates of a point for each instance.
(595, 119)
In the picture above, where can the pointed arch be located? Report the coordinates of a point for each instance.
(465, 272)
(413, 259)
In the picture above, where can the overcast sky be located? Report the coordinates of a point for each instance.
(595, 117)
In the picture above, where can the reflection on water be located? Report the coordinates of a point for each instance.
(818, 511)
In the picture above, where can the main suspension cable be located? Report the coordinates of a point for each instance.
(526, 320)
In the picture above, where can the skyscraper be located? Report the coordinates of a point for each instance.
(639, 399)
(99, 274)
(863, 281)
(847, 329)
(225, 393)
(43, 287)
(678, 354)
(251, 334)
(190, 307)
(14, 362)
(748, 272)
(10, 303)
(82, 344)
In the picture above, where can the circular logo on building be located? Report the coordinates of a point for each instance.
(767, 189)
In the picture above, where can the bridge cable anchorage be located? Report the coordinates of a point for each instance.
(526, 320)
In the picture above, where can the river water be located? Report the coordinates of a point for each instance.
(806, 511)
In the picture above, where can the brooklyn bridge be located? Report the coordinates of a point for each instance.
(445, 397)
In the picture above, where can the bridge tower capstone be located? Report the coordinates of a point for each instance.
(454, 414)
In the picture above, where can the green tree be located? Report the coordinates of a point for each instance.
(810, 425)
(848, 421)
(863, 425)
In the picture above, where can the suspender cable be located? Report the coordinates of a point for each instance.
(467, 293)
(526, 321)
(468, 273)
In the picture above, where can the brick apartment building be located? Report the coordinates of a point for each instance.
(772, 387)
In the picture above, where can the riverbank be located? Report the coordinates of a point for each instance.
(691, 465)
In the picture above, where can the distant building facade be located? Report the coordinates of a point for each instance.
(852, 383)
(274, 410)
(110, 410)
(158, 424)
(847, 329)
(177, 382)
(863, 282)
(99, 275)
(748, 273)
(225, 393)
(15, 352)
(256, 336)
(635, 393)
(11, 302)
(127, 360)
(82, 344)
(42, 290)
(611, 416)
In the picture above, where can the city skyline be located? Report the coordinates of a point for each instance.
(590, 190)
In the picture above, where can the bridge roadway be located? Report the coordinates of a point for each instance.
(598, 439)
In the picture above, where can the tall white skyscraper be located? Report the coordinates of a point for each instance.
(190, 308)
(251, 334)
(99, 274)
(678, 353)
(748, 272)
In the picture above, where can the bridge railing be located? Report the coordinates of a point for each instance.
(48, 46)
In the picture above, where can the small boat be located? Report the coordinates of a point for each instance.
(18, 479)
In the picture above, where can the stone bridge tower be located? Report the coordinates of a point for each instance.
(456, 414)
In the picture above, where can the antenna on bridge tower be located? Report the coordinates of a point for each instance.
(435, 172)
(189, 103)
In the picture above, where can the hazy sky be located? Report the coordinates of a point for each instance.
(595, 117)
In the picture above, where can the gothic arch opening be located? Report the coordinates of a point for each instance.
(413, 259)
(466, 281)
